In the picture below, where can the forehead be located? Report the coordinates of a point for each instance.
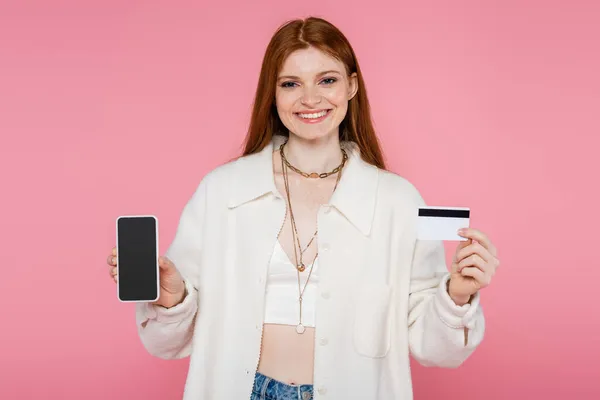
(309, 62)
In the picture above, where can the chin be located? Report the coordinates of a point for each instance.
(314, 132)
(315, 135)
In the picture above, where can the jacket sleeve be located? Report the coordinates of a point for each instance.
(167, 333)
(441, 333)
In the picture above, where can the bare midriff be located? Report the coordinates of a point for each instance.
(287, 356)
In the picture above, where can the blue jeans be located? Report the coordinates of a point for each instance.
(266, 388)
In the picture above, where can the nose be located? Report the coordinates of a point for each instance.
(311, 96)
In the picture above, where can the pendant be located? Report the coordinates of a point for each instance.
(313, 175)
(300, 329)
(301, 267)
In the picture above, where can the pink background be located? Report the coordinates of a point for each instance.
(114, 107)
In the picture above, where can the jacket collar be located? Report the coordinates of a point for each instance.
(354, 197)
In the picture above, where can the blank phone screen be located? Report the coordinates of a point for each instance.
(137, 258)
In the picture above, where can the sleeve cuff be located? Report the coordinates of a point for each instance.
(450, 313)
(174, 314)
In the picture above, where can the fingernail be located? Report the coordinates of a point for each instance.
(461, 231)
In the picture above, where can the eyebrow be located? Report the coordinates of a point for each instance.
(331, 71)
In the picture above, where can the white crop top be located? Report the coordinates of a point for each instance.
(281, 304)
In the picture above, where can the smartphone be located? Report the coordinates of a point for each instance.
(137, 258)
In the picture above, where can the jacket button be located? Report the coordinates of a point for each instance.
(324, 342)
(325, 295)
(322, 390)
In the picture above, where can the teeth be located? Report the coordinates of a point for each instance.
(314, 115)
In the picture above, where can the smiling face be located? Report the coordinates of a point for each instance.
(313, 90)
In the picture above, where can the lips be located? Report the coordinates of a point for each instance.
(312, 116)
(313, 111)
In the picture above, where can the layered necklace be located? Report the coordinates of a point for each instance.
(298, 252)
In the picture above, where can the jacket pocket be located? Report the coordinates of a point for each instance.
(372, 321)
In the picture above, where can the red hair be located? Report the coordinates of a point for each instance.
(357, 125)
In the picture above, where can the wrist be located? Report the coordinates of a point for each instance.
(183, 294)
(459, 300)
(179, 299)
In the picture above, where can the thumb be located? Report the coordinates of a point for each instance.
(164, 263)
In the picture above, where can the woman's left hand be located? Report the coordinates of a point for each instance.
(473, 266)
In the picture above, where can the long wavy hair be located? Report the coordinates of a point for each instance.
(357, 125)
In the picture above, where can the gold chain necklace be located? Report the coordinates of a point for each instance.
(300, 329)
(300, 265)
(314, 174)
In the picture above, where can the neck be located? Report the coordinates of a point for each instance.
(318, 155)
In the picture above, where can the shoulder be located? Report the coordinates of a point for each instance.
(390, 185)
(216, 179)
(398, 189)
(220, 182)
(221, 173)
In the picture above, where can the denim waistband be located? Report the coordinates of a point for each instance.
(266, 388)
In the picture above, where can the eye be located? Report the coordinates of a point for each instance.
(329, 81)
(287, 84)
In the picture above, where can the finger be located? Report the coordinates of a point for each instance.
(472, 261)
(113, 272)
(114, 251)
(474, 248)
(462, 245)
(164, 262)
(111, 260)
(480, 277)
(479, 236)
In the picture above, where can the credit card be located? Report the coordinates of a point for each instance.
(442, 223)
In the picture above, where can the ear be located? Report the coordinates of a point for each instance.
(353, 85)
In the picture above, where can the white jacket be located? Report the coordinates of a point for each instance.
(382, 294)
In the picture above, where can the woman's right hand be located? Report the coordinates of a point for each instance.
(172, 286)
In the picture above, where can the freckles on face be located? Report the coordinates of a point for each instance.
(295, 99)
(312, 81)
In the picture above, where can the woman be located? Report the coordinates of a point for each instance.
(295, 272)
